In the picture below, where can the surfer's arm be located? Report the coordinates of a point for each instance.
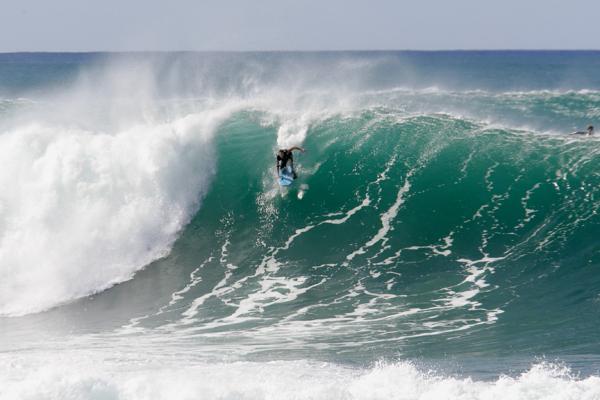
(296, 148)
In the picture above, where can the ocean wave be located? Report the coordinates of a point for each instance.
(105, 184)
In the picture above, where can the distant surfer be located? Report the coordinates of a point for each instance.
(589, 132)
(285, 157)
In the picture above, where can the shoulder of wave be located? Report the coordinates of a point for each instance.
(436, 90)
(488, 126)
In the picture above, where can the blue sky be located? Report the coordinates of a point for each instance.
(89, 25)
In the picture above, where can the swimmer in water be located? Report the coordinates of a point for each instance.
(589, 132)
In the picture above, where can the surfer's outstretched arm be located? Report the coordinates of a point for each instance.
(296, 148)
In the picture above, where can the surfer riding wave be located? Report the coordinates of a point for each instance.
(285, 156)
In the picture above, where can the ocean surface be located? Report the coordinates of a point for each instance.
(441, 241)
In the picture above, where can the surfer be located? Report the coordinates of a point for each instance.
(589, 132)
(285, 156)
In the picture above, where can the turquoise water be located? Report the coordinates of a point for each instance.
(440, 240)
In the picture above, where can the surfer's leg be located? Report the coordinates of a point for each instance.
(293, 170)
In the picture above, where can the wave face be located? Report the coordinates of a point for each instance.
(441, 215)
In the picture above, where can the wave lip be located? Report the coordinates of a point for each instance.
(87, 209)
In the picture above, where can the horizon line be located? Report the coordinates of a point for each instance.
(458, 50)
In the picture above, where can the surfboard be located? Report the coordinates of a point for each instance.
(286, 176)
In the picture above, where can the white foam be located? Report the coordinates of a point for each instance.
(386, 219)
(86, 204)
(87, 376)
(86, 209)
(292, 132)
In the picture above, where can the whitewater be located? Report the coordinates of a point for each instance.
(439, 243)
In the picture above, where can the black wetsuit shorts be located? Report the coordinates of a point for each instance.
(283, 157)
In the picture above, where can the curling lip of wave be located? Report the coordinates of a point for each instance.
(87, 210)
